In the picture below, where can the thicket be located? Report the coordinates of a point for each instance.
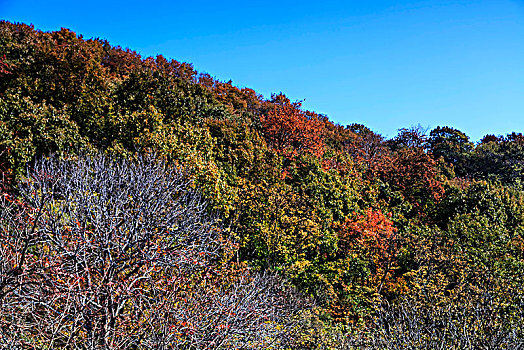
(117, 255)
(399, 240)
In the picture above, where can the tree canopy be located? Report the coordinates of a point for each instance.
(130, 180)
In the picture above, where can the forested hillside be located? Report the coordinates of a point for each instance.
(146, 205)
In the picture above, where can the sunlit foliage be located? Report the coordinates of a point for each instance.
(378, 232)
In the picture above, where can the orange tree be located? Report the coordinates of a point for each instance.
(291, 131)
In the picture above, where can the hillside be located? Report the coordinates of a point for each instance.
(357, 238)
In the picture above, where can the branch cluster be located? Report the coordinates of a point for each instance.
(110, 254)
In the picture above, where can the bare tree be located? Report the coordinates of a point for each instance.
(103, 254)
(481, 324)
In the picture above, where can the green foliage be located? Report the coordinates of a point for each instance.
(500, 161)
(452, 145)
(350, 218)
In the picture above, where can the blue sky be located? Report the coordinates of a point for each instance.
(385, 64)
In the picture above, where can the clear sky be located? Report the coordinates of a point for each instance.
(386, 64)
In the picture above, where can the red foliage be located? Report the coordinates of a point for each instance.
(371, 237)
(174, 68)
(413, 172)
(120, 62)
(4, 67)
(291, 131)
(491, 138)
(237, 99)
(373, 232)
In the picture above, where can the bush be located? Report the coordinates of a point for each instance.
(110, 254)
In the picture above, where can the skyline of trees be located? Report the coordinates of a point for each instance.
(353, 221)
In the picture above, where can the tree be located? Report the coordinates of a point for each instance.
(112, 254)
(367, 260)
(289, 130)
(413, 137)
(414, 174)
(501, 159)
(452, 145)
(366, 146)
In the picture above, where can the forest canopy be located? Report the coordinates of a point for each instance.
(130, 180)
